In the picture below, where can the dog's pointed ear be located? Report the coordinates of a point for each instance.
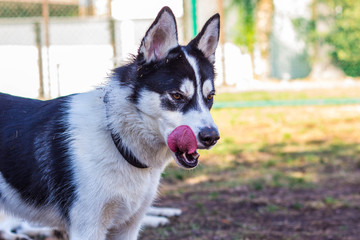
(207, 40)
(160, 38)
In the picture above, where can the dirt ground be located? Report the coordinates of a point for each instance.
(271, 213)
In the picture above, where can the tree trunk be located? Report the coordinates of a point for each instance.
(220, 5)
(264, 23)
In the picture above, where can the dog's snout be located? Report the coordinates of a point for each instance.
(209, 136)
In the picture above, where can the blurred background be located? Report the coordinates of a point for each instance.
(57, 47)
(287, 106)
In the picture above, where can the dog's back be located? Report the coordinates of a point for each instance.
(34, 156)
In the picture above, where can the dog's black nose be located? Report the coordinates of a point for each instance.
(208, 136)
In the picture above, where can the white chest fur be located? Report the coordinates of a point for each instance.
(108, 187)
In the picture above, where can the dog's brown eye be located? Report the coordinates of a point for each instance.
(176, 96)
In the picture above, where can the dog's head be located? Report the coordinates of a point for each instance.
(175, 86)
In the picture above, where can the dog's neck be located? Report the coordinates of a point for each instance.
(125, 152)
(138, 134)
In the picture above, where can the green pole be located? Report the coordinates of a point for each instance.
(194, 18)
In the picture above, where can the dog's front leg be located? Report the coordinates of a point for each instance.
(87, 229)
(87, 233)
(129, 230)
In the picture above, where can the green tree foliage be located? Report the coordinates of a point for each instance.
(343, 34)
(245, 26)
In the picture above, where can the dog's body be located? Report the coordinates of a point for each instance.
(90, 163)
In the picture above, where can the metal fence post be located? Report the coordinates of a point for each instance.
(37, 30)
(112, 38)
(45, 14)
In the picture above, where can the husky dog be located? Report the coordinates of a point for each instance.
(90, 164)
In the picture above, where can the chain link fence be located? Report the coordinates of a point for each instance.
(23, 9)
(70, 48)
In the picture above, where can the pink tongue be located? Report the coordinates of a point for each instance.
(182, 139)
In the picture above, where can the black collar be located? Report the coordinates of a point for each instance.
(126, 153)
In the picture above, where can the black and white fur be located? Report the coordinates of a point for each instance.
(59, 161)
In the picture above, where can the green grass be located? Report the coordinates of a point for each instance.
(258, 96)
(280, 147)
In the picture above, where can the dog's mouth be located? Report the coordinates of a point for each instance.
(182, 142)
(187, 160)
